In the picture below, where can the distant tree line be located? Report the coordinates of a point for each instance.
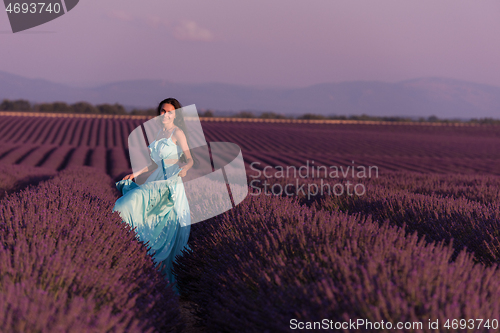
(87, 108)
(431, 119)
(62, 107)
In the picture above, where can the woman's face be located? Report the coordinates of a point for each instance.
(167, 114)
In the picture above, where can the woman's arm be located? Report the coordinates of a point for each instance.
(182, 142)
(138, 173)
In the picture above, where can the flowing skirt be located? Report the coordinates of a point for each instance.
(159, 212)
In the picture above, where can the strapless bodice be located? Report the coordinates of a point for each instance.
(165, 153)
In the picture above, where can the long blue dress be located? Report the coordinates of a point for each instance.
(158, 209)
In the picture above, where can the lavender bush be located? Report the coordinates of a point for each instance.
(484, 189)
(69, 264)
(462, 208)
(470, 224)
(270, 260)
(15, 177)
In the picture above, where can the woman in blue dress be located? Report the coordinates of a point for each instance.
(158, 209)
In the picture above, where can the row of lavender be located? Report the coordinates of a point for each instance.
(462, 208)
(14, 178)
(91, 132)
(69, 264)
(275, 261)
(60, 143)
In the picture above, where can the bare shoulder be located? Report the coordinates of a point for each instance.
(178, 130)
(179, 134)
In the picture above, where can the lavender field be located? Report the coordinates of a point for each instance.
(60, 142)
(421, 244)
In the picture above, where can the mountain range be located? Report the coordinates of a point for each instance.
(422, 97)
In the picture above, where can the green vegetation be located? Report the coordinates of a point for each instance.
(62, 107)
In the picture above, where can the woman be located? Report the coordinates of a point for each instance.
(159, 209)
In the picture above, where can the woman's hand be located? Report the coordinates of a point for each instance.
(131, 176)
(183, 171)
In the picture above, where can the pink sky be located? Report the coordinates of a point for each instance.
(260, 42)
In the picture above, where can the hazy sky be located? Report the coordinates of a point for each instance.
(260, 42)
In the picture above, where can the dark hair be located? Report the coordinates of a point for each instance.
(179, 119)
(172, 101)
